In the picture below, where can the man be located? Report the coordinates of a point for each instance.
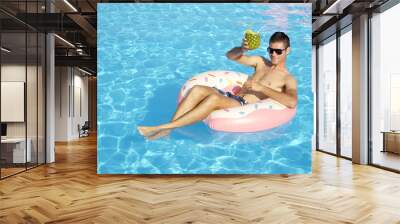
(271, 79)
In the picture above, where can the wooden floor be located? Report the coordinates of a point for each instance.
(10, 171)
(70, 191)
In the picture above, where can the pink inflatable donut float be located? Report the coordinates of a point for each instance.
(259, 116)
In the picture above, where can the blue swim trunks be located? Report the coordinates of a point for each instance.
(230, 95)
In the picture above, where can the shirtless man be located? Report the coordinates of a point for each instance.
(271, 79)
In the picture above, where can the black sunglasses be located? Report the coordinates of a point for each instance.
(277, 51)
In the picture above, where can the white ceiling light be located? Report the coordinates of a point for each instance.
(70, 5)
(5, 50)
(65, 41)
(338, 6)
(86, 72)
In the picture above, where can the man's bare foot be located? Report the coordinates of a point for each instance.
(159, 134)
(147, 130)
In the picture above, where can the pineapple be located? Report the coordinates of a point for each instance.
(253, 39)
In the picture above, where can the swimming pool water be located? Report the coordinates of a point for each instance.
(146, 52)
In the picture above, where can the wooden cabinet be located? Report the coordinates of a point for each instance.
(391, 141)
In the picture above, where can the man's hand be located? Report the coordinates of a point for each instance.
(253, 85)
(248, 83)
(245, 45)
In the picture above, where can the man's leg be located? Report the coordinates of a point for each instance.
(195, 95)
(208, 105)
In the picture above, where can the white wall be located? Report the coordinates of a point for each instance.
(70, 83)
(61, 103)
(79, 117)
(13, 72)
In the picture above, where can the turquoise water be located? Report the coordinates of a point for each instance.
(146, 52)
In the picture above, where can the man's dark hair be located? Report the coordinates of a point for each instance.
(280, 37)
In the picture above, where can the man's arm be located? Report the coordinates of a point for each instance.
(287, 98)
(237, 54)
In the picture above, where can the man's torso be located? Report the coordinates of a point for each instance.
(271, 78)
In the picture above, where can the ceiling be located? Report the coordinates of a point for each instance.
(76, 22)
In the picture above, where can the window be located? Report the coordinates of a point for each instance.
(346, 74)
(385, 85)
(327, 95)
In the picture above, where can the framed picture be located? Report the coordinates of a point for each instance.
(204, 88)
